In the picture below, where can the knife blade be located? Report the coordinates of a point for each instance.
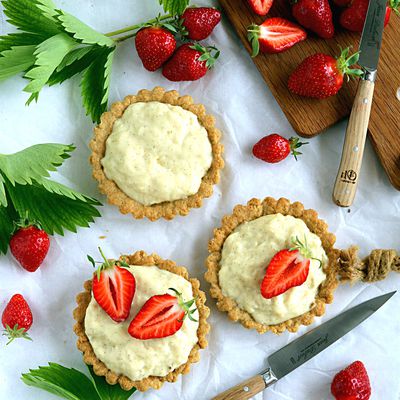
(301, 350)
(356, 132)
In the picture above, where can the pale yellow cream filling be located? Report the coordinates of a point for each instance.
(134, 358)
(247, 252)
(157, 152)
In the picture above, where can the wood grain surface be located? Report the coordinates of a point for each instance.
(310, 117)
(244, 390)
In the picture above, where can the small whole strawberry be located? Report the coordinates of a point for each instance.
(161, 316)
(275, 148)
(154, 45)
(274, 35)
(353, 17)
(29, 245)
(320, 75)
(17, 318)
(315, 15)
(199, 22)
(261, 7)
(190, 62)
(113, 288)
(352, 383)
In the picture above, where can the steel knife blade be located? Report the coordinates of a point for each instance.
(309, 345)
(371, 38)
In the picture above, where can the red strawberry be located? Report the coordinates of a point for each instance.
(29, 245)
(154, 45)
(352, 383)
(321, 75)
(274, 148)
(113, 288)
(161, 316)
(274, 35)
(190, 62)
(315, 15)
(261, 7)
(353, 17)
(17, 318)
(199, 22)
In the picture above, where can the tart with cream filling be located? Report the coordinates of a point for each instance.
(156, 154)
(119, 346)
(247, 271)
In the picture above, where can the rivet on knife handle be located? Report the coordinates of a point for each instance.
(249, 388)
(353, 148)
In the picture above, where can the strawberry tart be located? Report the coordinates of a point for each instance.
(156, 154)
(272, 265)
(141, 321)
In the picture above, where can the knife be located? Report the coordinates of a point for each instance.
(356, 131)
(296, 353)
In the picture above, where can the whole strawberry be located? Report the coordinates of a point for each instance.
(190, 62)
(29, 245)
(353, 17)
(154, 45)
(275, 148)
(315, 15)
(199, 22)
(320, 75)
(17, 318)
(352, 383)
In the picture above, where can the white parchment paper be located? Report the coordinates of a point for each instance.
(245, 110)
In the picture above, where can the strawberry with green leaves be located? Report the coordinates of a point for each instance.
(29, 244)
(199, 22)
(190, 62)
(161, 316)
(113, 288)
(17, 318)
(288, 268)
(320, 75)
(274, 35)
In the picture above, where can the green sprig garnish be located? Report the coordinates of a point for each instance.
(71, 384)
(25, 189)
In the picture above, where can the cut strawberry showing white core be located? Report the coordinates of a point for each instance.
(113, 289)
(287, 269)
(261, 7)
(161, 316)
(274, 36)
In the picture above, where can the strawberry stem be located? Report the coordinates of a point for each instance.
(294, 143)
(209, 54)
(346, 61)
(253, 34)
(107, 263)
(15, 333)
(186, 305)
(303, 249)
(394, 5)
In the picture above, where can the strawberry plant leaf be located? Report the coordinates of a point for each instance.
(82, 32)
(20, 39)
(49, 55)
(33, 163)
(15, 60)
(7, 218)
(174, 7)
(35, 16)
(55, 212)
(109, 392)
(67, 383)
(95, 84)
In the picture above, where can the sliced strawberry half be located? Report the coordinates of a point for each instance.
(161, 316)
(261, 7)
(114, 288)
(274, 35)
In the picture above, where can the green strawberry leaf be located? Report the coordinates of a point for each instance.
(7, 218)
(107, 391)
(95, 84)
(20, 39)
(81, 31)
(16, 60)
(174, 7)
(49, 54)
(67, 383)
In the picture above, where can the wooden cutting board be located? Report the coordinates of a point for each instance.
(309, 117)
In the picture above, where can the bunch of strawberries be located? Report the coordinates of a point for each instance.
(156, 45)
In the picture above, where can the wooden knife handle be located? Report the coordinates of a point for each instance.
(243, 391)
(353, 148)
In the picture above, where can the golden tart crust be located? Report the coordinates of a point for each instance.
(253, 210)
(100, 369)
(168, 209)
